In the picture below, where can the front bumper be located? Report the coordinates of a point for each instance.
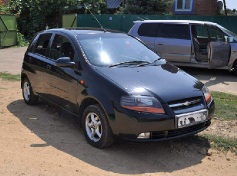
(160, 128)
(169, 134)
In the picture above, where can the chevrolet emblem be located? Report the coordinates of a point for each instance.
(187, 103)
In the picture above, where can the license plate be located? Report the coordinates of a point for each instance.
(190, 119)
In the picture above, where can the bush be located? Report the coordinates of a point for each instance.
(21, 41)
(37, 15)
(3, 9)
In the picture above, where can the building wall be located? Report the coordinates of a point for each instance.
(201, 8)
(205, 7)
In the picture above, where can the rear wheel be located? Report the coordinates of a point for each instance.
(96, 127)
(27, 93)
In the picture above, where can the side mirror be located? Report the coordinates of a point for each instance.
(64, 62)
(230, 39)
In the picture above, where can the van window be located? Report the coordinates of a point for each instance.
(176, 31)
(148, 29)
(215, 34)
(200, 31)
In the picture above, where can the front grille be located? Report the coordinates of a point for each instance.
(186, 103)
(159, 135)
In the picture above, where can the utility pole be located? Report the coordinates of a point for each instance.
(225, 8)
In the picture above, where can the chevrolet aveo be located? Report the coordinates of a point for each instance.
(115, 85)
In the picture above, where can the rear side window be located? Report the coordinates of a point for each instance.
(42, 44)
(176, 31)
(148, 29)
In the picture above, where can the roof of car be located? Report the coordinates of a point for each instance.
(84, 30)
(176, 21)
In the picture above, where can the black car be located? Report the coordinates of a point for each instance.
(115, 85)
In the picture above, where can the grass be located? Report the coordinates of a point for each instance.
(226, 106)
(222, 143)
(10, 77)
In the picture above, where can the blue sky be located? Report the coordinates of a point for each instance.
(231, 4)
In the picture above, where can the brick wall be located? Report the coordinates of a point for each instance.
(205, 7)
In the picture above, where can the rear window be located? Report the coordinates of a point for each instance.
(176, 31)
(148, 29)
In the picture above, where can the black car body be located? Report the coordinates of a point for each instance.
(115, 85)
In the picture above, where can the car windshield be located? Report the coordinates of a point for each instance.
(232, 34)
(109, 49)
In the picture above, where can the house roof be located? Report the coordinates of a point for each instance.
(113, 4)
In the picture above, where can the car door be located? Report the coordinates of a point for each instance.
(35, 59)
(218, 49)
(61, 82)
(174, 42)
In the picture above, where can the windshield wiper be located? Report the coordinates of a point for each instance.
(154, 62)
(135, 62)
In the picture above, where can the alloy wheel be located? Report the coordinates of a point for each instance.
(93, 127)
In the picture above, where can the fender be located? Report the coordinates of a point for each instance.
(105, 99)
(233, 55)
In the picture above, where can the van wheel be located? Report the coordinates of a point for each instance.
(235, 68)
(27, 93)
(96, 127)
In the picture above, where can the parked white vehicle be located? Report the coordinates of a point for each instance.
(190, 43)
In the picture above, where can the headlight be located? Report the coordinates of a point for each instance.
(207, 94)
(142, 104)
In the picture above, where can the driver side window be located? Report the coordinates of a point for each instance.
(215, 34)
(61, 47)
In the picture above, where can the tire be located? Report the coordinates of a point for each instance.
(235, 68)
(27, 93)
(96, 127)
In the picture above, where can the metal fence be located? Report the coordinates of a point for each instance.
(8, 30)
(125, 22)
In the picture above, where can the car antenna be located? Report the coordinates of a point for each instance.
(140, 18)
(95, 18)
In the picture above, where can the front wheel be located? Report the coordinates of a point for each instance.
(96, 127)
(27, 93)
(235, 68)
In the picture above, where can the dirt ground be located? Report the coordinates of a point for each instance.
(37, 140)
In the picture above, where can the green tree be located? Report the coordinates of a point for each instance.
(3, 8)
(144, 7)
(36, 15)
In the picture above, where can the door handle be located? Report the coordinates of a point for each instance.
(160, 44)
(48, 67)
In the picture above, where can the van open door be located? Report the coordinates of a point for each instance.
(218, 54)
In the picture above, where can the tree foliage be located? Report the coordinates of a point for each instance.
(144, 7)
(1, 3)
(3, 8)
(36, 15)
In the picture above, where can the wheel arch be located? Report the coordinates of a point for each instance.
(106, 107)
(234, 66)
(23, 76)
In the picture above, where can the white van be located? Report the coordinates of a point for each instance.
(190, 43)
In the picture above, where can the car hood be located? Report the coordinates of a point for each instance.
(165, 81)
